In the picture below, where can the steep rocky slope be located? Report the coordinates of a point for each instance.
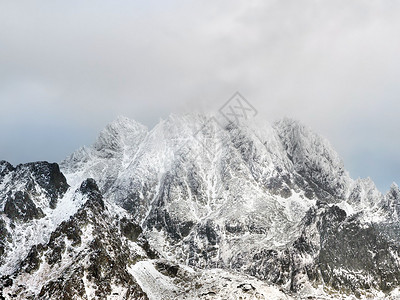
(29, 194)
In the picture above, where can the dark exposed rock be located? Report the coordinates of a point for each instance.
(89, 187)
(210, 293)
(185, 228)
(65, 289)
(4, 236)
(5, 168)
(7, 282)
(129, 229)
(246, 287)
(209, 232)
(27, 188)
(32, 262)
(21, 207)
(150, 251)
(48, 176)
(91, 190)
(132, 202)
(367, 258)
(279, 186)
(167, 268)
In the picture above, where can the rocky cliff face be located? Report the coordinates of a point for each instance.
(28, 195)
(86, 256)
(210, 210)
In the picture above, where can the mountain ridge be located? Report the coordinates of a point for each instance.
(265, 201)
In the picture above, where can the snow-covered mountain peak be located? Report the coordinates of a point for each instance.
(304, 146)
(285, 156)
(113, 149)
(314, 158)
(119, 134)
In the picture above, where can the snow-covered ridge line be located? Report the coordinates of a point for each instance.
(126, 154)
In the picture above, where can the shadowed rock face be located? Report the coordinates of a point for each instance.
(365, 257)
(350, 256)
(130, 229)
(49, 177)
(26, 182)
(20, 206)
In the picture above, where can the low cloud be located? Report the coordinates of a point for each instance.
(66, 69)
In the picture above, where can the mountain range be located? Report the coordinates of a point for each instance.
(196, 208)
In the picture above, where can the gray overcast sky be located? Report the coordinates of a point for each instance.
(67, 68)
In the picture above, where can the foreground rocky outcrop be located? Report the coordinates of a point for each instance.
(86, 256)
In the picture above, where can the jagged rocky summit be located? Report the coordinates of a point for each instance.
(193, 209)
